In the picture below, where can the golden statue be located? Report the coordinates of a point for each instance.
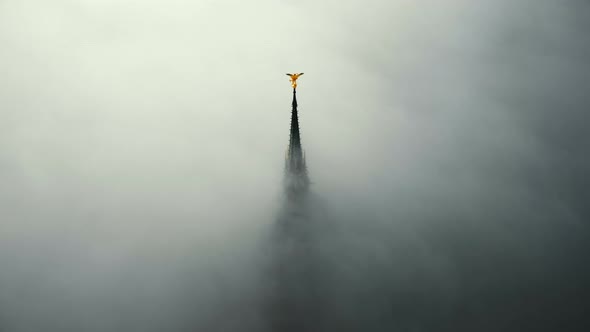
(294, 78)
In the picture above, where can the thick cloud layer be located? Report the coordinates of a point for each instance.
(142, 144)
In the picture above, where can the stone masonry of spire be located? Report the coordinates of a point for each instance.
(295, 167)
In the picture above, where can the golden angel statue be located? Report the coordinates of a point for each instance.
(294, 78)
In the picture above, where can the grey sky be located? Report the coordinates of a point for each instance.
(142, 144)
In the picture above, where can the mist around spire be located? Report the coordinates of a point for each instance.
(296, 301)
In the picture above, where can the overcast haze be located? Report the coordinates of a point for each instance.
(142, 150)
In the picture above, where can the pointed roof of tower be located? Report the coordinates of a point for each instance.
(295, 165)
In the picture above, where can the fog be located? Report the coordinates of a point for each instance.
(142, 150)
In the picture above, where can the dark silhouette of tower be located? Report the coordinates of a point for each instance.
(297, 180)
(295, 305)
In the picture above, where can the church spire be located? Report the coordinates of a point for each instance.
(295, 167)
